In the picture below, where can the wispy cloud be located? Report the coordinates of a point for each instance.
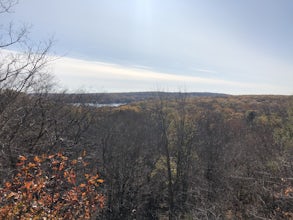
(206, 71)
(91, 76)
(100, 76)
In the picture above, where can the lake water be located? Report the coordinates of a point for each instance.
(98, 105)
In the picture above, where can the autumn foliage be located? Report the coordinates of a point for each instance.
(49, 186)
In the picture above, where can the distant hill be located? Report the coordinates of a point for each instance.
(129, 97)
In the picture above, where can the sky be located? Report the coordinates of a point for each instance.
(227, 46)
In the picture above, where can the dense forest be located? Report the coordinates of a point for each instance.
(176, 158)
(159, 156)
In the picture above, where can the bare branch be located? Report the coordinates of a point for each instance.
(12, 37)
(7, 5)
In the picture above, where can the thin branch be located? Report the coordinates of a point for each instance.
(7, 5)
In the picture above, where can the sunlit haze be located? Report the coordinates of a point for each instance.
(235, 47)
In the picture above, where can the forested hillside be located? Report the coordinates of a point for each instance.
(108, 98)
(184, 157)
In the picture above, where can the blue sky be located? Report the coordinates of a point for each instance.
(236, 47)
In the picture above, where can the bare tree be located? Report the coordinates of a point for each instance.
(22, 71)
(177, 133)
(164, 144)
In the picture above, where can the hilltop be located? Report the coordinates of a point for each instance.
(128, 97)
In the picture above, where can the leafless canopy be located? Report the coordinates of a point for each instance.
(19, 71)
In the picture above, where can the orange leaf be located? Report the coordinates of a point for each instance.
(288, 191)
(51, 156)
(100, 180)
(37, 159)
(27, 185)
(31, 165)
(64, 158)
(87, 176)
(22, 158)
(61, 167)
(8, 184)
(55, 162)
(66, 174)
(72, 177)
(82, 185)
